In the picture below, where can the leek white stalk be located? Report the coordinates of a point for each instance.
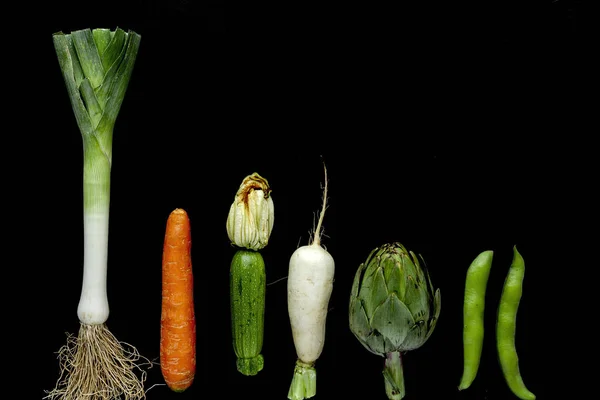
(93, 301)
(96, 66)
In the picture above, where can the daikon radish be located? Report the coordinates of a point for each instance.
(310, 284)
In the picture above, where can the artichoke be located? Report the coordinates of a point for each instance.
(393, 309)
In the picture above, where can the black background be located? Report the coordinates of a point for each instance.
(452, 127)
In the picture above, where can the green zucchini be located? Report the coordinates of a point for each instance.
(247, 283)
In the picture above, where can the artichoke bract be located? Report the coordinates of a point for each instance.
(393, 309)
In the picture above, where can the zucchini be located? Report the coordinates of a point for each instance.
(247, 283)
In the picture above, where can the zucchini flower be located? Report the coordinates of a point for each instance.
(393, 309)
(251, 216)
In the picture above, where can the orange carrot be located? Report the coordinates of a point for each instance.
(178, 321)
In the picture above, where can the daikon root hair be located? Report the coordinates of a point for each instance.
(96, 366)
(315, 238)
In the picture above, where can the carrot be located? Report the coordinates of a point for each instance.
(178, 321)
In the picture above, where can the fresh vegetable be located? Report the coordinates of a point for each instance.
(249, 225)
(96, 66)
(248, 291)
(251, 215)
(473, 310)
(393, 309)
(506, 327)
(310, 285)
(178, 318)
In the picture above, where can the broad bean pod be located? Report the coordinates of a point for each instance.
(506, 327)
(473, 309)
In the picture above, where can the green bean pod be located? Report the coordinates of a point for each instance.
(473, 308)
(506, 327)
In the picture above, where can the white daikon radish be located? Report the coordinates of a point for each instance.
(310, 284)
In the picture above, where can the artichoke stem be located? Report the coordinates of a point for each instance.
(394, 376)
(304, 382)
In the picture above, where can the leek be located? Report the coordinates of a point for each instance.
(96, 66)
